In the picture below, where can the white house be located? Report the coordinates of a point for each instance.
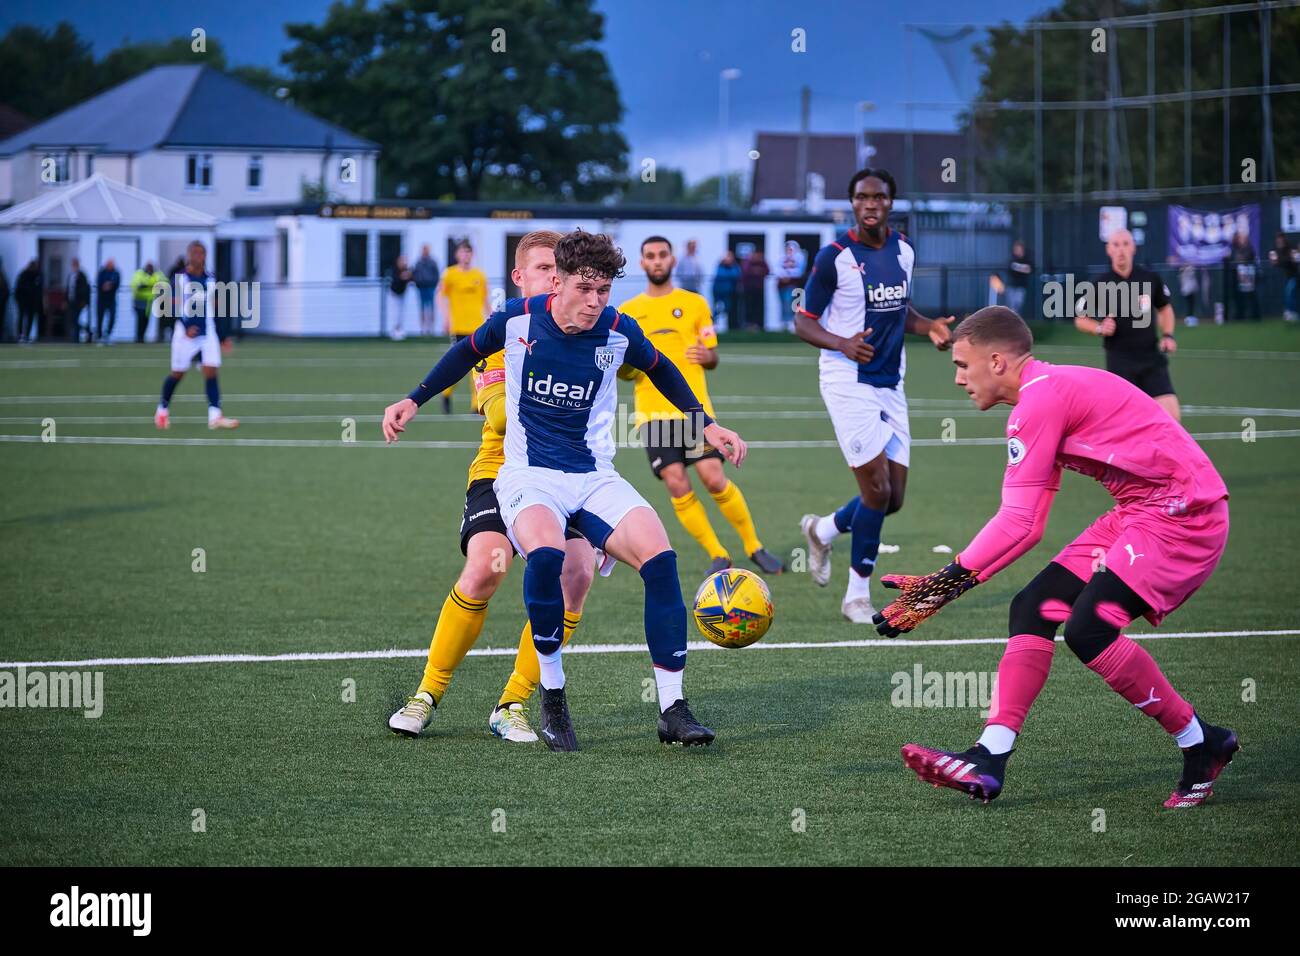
(193, 135)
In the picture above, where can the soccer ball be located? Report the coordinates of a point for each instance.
(733, 608)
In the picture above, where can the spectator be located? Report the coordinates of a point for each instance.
(399, 279)
(689, 273)
(1189, 284)
(167, 321)
(4, 303)
(106, 285)
(78, 291)
(753, 279)
(1243, 270)
(1287, 261)
(143, 284)
(1018, 272)
(425, 275)
(789, 276)
(27, 293)
(726, 279)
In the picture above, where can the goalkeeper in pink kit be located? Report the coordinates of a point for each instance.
(1143, 558)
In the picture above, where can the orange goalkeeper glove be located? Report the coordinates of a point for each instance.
(922, 597)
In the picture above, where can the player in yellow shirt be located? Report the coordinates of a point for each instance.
(487, 550)
(680, 325)
(463, 294)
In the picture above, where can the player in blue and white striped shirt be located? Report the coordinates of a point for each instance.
(562, 355)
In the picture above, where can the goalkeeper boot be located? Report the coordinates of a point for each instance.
(414, 717)
(767, 561)
(1202, 764)
(677, 725)
(510, 722)
(819, 555)
(557, 728)
(976, 772)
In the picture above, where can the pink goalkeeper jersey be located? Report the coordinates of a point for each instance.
(1099, 425)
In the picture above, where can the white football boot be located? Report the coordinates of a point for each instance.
(414, 717)
(819, 555)
(858, 610)
(511, 723)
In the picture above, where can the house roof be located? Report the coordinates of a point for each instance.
(183, 106)
(100, 201)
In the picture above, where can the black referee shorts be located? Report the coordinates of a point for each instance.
(1148, 372)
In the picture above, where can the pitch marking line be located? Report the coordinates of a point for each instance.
(394, 653)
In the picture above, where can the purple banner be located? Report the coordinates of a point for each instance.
(1201, 237)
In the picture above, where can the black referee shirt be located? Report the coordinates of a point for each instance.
(1136, 333)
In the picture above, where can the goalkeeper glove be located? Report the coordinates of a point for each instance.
(922, 597)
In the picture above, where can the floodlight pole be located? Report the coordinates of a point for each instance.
(723, 77)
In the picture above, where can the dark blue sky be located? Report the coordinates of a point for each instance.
(666, 58)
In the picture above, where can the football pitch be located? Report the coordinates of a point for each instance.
(259, 601)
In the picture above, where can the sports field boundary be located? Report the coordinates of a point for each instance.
(396, 653)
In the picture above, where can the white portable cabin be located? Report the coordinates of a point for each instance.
(330, 260)
(94, 220)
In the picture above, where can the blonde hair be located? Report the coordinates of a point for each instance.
(537, 239)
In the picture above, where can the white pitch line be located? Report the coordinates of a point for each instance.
(394, 653)
(413, 443)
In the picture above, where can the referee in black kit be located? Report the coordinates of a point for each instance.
(1136, 350)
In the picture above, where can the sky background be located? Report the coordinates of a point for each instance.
(666, 58)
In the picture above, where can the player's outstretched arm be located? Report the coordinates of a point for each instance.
(454, 365)
(937, 330)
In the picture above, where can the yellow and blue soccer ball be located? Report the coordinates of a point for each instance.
(733, 608)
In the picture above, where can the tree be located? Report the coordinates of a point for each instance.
(131, 59)
(468, 98)
(1081, 149)
(44, 72)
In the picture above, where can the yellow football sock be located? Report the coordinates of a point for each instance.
(527, 673)
(733, 507)
(691, 513)
(458, 628)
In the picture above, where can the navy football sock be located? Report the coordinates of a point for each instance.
(665, 612)
(214, 392)
(169, 389)
(844, 516)
(866, 539)
(544, 598)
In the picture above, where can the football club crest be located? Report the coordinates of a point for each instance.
(604, 358)
(677, 313)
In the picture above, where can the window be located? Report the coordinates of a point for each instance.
(354, 254)
(255, 172)
(90, 165)
(283, 236)
(198, 171)
(390, 247)
(54, 169)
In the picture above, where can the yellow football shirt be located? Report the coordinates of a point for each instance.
(673, 323)
(489, 378)
(466, 291)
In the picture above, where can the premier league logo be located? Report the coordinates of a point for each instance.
(604, 358)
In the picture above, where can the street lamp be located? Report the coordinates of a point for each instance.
(725, 75)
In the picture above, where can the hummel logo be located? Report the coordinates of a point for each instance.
(1131, 556)
(527, 345)
(1152, 699)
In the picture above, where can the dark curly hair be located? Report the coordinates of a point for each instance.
(590, 255)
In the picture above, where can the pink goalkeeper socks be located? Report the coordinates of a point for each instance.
(1021, 674)
(1131, 673)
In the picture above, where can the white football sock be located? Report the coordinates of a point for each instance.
(213, 413)
(997, 739)
(552, 670)
(670, 687)
(858, 586)
(1191, 735)
(825, 529)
